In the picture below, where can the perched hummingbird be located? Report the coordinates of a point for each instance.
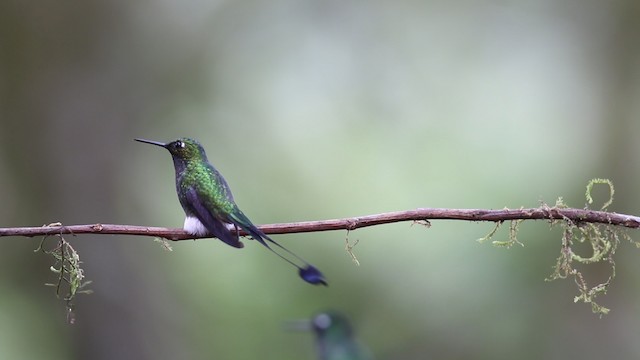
(209, 206)
(335, 338)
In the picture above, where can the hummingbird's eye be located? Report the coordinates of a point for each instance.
(179, 145)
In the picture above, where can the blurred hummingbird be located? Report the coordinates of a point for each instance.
(335, 338)
(209, 206)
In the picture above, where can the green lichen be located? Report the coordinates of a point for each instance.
(582, 244)
(602, 241)
(514, 225)
(69, 274)
(493, 231)
(349, 248)
(164, 244)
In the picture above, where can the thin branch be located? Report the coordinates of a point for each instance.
(577, 216)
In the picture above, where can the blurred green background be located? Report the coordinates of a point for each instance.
(316, 110)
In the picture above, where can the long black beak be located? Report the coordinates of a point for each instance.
(152, 142)
(298, 325)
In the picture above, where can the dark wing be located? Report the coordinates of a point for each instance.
(216, 227)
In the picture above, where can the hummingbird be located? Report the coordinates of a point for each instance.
(335, 339)
(210, 208)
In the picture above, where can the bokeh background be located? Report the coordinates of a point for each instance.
(316, 110)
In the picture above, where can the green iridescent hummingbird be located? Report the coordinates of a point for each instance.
(209, 206)
(335, 339)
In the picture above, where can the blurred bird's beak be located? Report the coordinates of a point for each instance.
(298, 325)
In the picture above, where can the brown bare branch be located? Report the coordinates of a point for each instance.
(575, 215)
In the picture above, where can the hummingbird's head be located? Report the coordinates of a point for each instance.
(183, 149)
(331, 323)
